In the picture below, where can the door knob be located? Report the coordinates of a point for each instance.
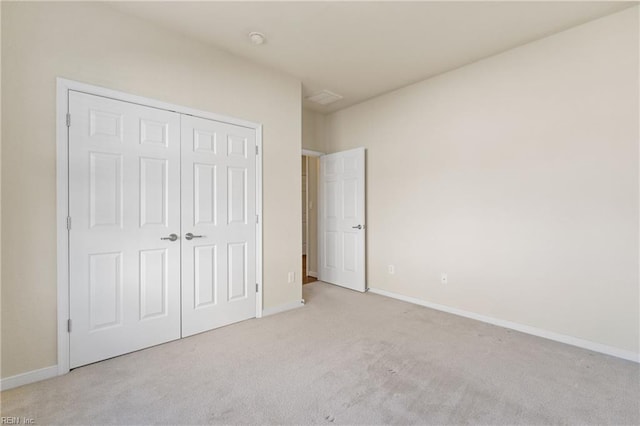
(357, 227)
(190, 236)
(171, 237)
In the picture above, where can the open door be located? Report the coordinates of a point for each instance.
(341, 233)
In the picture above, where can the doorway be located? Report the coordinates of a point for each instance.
(309, 198)
(334, 213)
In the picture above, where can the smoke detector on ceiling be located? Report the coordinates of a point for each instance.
(257, 38)
(324, 98)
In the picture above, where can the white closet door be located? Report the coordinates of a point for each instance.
(124, 188)
(219, 209)
(342, 219)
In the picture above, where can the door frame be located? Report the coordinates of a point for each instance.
(62, 193)
(315, 154)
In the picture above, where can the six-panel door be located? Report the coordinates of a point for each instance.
(125, 200)
(219, 210)
(124, 197)
(342, 219)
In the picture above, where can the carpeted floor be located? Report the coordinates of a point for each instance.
(344, 358)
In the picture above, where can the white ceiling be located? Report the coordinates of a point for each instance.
(362, 49)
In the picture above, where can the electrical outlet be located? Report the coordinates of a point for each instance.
(392, 269)
(444, 278)
(292, 277)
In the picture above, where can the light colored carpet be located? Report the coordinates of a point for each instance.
(345, 358)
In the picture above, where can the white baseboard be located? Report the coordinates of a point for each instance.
(562, 338)
(28, 377)
(282, 308)
(313, 274)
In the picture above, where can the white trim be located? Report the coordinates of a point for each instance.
(562, 338)
(313, 274)
(310, 153)
(282, 308)
(28, 377)
(62, 202)
(140, 100)
(259, 293)
(62, 211)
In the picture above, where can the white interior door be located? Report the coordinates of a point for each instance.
(219, 210)
(341, 234)
(124, 201)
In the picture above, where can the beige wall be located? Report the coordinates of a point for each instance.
(516, 175)
(0, 192)
(313, 130)
(92, 43)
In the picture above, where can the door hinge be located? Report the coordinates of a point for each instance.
(68, 223)
(257, 150)
(256, 287)
(69, 325)
(68, 120)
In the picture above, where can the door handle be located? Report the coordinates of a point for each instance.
(171, 237)
(357, 227)
(190, 236)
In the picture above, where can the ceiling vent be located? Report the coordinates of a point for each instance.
(324, 98)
